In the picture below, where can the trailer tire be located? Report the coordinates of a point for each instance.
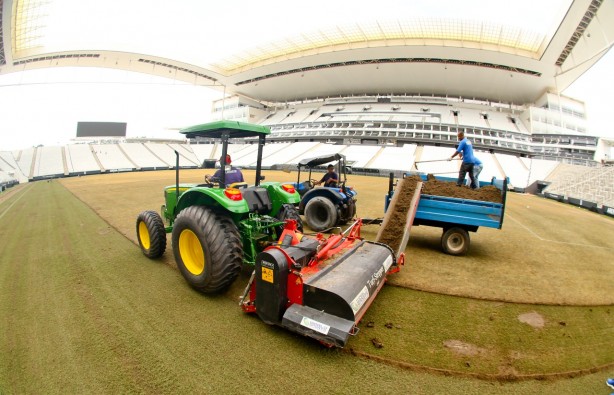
(455, 241)
(288, 211)
(207, 248)
(320, 214)
(151, 234)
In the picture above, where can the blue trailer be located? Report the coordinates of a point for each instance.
(457, 217)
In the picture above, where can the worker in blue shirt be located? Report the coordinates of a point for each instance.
(465, 148)
(477, 169)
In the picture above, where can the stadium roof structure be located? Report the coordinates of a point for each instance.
(380, 52)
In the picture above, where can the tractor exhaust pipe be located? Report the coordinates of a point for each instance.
(177, 174)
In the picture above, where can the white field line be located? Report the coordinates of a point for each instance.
(554, 241)
(16, 200)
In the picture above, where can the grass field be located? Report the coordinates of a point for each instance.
(83, 311)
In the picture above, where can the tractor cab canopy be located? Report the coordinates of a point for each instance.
(319, 160)
(312, 163)
(226, 130)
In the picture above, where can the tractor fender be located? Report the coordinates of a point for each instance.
(211, 197)
(279, 196)
(331, 194)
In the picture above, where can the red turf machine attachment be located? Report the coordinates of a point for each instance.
(319, 287)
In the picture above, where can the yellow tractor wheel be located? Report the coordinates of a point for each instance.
(151, 234)
(207, 248)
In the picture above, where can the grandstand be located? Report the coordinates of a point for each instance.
(80, 160)
(592, 184)
(10, 168)
(7, 181)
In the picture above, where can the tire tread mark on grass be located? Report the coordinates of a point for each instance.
(481, 376)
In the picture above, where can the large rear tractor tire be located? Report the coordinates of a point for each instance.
(207, 249)
(288, 211)
(320, 214)
(151, 234)
(455, 241)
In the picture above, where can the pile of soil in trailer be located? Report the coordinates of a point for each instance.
(393, 233)
(488, 193)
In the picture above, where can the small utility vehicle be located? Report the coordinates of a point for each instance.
(325, 207)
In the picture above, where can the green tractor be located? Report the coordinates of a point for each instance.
(215, 229)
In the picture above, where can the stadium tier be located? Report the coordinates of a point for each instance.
(593, 183)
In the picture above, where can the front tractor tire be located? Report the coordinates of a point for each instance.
(288, 211)
(207, 249)
(151, 234)
(348, 213)
(320, 214)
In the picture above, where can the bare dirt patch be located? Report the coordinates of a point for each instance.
(463, 348)
(533, 318)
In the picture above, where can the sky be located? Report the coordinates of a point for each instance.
(43, 106)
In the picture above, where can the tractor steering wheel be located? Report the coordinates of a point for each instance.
(212, 180)
(312, 183)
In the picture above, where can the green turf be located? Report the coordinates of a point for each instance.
(572, 339)
(83, 311)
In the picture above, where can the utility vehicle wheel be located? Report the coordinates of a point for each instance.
(207, 249)
(455, 241)
(320, 214)
(288, 211)
(150, 234)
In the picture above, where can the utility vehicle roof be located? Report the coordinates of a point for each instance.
(319, 160)
(234, 129)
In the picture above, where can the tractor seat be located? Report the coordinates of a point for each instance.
(239, 185)
(257, 199)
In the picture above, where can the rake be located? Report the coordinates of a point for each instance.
(426, 161)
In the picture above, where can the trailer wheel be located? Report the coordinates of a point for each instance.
(288, 211)
(207, 249)
(151, 234)
(320, 214)
(455, 241)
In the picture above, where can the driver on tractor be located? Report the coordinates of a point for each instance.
(233, 174)
(330, 179)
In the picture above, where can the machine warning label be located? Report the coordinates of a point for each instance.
(267, 275)
(360, 299)
(315, 325)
